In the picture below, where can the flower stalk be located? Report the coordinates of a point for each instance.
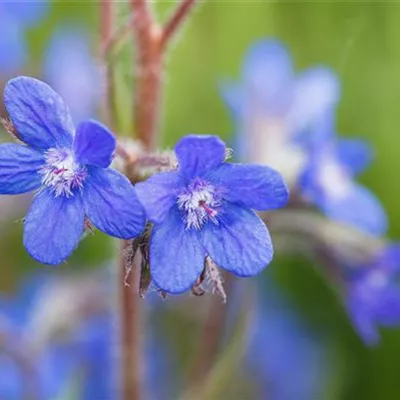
(151, 43)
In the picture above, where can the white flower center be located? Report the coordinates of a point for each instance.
(270, 143)
(62, 173)
(199, 203)
(334, 179)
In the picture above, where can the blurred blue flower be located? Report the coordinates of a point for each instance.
(70, 169)
(70, 68)
(271, 106)
(205, 208)
(328, 178)
(373, 294)
(15, 17)
(285, 357)
(21, 365)
(80, 358)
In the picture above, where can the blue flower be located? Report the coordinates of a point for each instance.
(70, 68)
(204, 208)
(287, 359)
(328, 178)
(16, 332)
(15, 17)
(272, 106)
(373, 294)
(85, 349)
(71, 170)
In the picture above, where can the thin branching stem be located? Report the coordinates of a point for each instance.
(106, 27)
(175, 21)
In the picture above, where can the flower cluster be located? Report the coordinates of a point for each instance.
(65, 332)
(202, 209)
(289, 122)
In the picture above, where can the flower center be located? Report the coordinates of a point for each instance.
(62, 173)
(199, 202)
(334, 180)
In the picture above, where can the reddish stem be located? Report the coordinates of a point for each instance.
(106, 26)
(130, 327)
(150, 44)
(176, 19)
(149, 61)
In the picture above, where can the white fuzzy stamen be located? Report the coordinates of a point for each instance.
(199, 203)
(62, 173)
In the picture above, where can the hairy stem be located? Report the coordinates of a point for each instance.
(149, 66)
(130, 326)
(210, 339)
(178, 16)
(149, 50)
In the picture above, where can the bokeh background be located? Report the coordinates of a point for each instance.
(360, 42)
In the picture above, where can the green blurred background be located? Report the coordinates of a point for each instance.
(361, 42)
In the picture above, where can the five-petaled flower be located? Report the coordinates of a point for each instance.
(70, 169)
(373, 294)
(205, 208)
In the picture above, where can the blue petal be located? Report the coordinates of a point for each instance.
(268, 73)
(39, 115)
(176, 254)
(316, 90)
(53, 227)
(240, 243)
(25, 12)
(363, 322)
(233, 97)
(322, 132)
(13, 50)
(354, 154)
(111, 204)
(94, 144)
(71, 69)
(388, 312)
(254, 186)
(19, 166)
(198, 154)
(359, 208)
(158, 194)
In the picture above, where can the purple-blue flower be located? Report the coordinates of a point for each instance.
(328, 178)
(70, 167)
(205, 208)
(272, 105)
(15, 17)
(70, 68)
(373, 294)
(286, 358)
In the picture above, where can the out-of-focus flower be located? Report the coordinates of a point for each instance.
(328, 178)
(15, 17)
(205, 208)
(71, 169)
(373, 294)
(285, 357)
(80, 357)
(271, 106)
(70, 68)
